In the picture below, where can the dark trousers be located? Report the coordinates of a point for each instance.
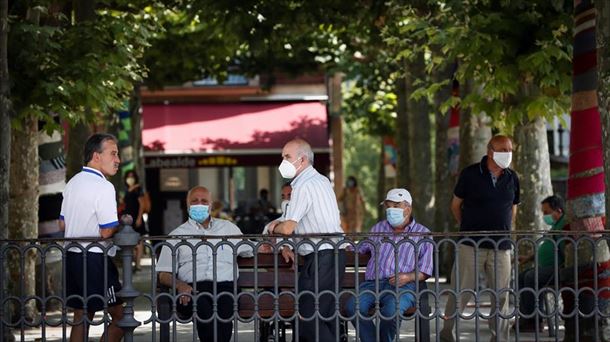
(527, 280)
(224, 300)
(327, 281)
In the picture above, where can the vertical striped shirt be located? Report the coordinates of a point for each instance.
(407, 250)
(313, 205)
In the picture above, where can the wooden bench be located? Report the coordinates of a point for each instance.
(263, 279)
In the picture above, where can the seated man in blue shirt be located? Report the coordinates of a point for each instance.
(401, 229)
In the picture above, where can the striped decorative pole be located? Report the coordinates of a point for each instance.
(586, 204)
(585, 195)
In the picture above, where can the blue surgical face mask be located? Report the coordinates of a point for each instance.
(395, 216)
(199, 212)
(548, 219)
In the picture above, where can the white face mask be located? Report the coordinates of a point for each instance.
(287, 169)
(503, 159)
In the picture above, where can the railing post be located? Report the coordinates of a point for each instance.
(127, 239)
(2, 318)
(6, 332)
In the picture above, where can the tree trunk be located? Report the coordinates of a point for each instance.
(533, 165)
(401, 137)
(475, 133)
(23, 206)
(336, 128)
(419, 143)
(381, 184)
(136, 134)
(586, 183)
(5, 156)
(5, 122)
(603, 88)
(444, 180)
(84, 10)
(77, 136)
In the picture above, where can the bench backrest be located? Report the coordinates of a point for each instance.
(265, 274)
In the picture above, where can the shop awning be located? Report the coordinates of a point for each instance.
(245, 127)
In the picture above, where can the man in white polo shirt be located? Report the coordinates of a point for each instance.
(89, 210)
(207, 274)
(313, 209)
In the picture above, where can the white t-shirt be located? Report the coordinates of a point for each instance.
(89, 205)
(205, 257)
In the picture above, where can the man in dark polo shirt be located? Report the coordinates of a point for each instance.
(485, 199)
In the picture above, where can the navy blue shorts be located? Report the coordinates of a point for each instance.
(95, 284)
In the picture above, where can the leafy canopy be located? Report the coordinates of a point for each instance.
(60, 67)
(515, 55)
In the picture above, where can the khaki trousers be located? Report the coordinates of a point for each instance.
(497, 275)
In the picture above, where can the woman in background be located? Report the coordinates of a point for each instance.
(351, 205)
(134, 206)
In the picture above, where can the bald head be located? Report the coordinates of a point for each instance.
(500, 143)
(300, 149)
(499, 153)
(198, 195)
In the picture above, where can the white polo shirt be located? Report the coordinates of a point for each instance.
(89, 205)
(205, 257)
(313, 206)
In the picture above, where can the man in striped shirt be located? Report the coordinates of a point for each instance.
(394, 275)
(313, 209)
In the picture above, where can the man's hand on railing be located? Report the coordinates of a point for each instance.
(265, 248)
(183, 287)
(271, 226)
(288, 254)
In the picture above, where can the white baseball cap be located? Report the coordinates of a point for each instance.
(398, 195)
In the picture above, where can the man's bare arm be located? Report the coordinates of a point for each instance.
(166, 279)
(285, 228)
(514, 212)
(456, 208)
(108, 232)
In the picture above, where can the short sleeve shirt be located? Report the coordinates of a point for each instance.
(313, 205)
(89, 204)
(204, 262)
(384, 259)
(487, 206)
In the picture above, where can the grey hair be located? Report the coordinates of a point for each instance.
(304, 150)
(196, 187)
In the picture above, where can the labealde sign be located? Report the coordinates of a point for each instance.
(186, 161)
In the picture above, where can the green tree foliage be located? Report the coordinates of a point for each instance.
(65, 67)
(515, 54)
(248, 37)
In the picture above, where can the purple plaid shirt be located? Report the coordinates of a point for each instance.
(386, 260)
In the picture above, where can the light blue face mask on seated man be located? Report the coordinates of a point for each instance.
(199, 212)
(395, 216)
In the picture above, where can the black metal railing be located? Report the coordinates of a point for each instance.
(265, 297)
